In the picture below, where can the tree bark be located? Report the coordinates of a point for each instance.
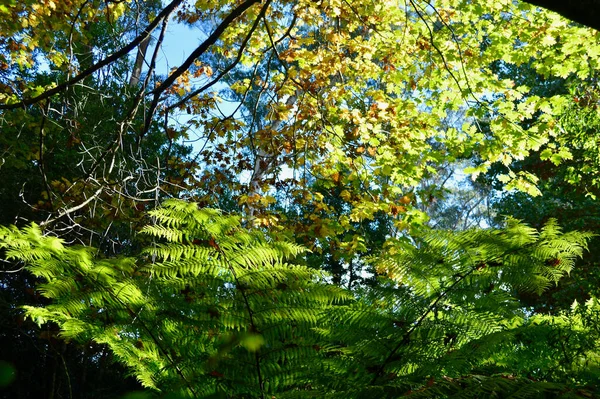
(585, 12)
(139, 62)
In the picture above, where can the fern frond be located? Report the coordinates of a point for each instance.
(211, 308)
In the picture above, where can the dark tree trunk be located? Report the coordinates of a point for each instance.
(585, 12)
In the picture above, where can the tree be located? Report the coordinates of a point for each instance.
(327, 109)
(347, 116)
(56, 169)
(566, 172)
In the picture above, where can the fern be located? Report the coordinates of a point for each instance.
(213, 309)
(445, 308)
(209, 308)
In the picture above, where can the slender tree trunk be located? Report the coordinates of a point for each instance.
(52, 389)
(139, 62)
(84, 364)
(264, 162)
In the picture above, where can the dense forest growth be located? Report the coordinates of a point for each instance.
(330, 198)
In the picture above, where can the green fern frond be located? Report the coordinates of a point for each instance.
(211, 308)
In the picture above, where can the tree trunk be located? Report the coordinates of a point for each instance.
(585, 12)
(139, 61)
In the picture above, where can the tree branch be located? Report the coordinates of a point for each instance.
(62, 213)
(212, 39)
(230, 66)
(107, 61)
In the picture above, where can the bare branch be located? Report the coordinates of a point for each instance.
(66, 212)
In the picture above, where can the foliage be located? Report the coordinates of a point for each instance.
(447, 310)
(565, 169)
(211, 308)
(352, 95)
(333, 125)
(194, 311)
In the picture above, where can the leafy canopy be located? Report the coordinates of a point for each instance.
(368, 98)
